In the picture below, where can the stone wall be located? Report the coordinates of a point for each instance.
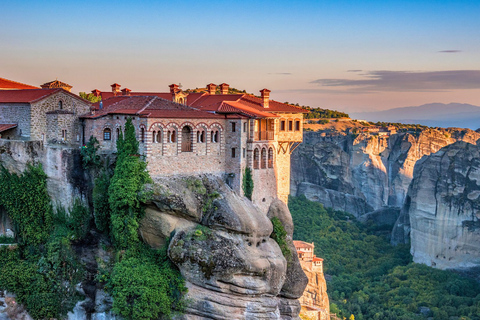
(69, 103)
(18, 113)
(61, 164)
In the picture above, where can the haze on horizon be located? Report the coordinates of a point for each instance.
(342, 55)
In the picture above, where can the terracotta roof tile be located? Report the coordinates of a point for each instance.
(7, 126)
(6, 84)
(302, 244)
(151, 107)
(315, 259)
(55, 84)
(25, 96)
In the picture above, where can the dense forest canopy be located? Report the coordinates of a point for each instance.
(371, 279)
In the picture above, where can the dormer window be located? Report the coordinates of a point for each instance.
(60, 104)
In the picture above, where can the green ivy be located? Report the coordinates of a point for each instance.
(101, 206)
(280, 236)
(247, 184)
(26, 201)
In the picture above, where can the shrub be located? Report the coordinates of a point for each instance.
(145, 285)
(101, 206)
(90, 158)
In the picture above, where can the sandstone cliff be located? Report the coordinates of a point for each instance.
(363, 172)
(441, 215)
(221, 243)
(315, 303)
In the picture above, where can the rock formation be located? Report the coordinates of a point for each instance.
(441, 215)
(222, 246)
(363, 172)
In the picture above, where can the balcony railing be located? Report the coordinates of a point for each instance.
(264, 135)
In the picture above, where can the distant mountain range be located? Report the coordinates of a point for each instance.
(433, 114)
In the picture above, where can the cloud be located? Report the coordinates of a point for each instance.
(449, 51)
(354, 70)
(282, 73)
(408, 81)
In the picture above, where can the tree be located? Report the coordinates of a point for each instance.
(89, 96)
(248, 183)
(126, 194)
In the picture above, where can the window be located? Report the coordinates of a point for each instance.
(290, 125)
(264, 158)
(270, 157)
(64, 135)
(201, 136)
(154, 137)
(172, 136)
(282, 125)
(107, 134)
(60, 105)
(244, 127)
(234, 126)
(118, 133)
(214, 136)
(142, 135)
(233, 152)
(256, 158)
(244, 152)
(297, 125)
(158, 138)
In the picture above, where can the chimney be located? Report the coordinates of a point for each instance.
(265, 97)
(96, 92)
(126, 91)
(224, 88)
(211, 88)
(115, 88)
(173, 88)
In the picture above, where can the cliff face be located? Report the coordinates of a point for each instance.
(315, 301)
(222, 246)
(365, 172)
(442, 209)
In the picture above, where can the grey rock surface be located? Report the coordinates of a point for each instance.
(233, 269)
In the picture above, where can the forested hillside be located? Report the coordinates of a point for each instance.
(372, 279)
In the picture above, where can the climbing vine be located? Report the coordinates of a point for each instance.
(26, 200)
(280, 236)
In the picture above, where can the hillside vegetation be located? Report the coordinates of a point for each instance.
(370, 279)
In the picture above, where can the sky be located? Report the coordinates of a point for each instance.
(351, 56)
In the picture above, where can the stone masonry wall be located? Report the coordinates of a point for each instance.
(38, 123)
(61, 164)
(19, 114)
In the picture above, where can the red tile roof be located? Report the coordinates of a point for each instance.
(301, 244)
(30, 95)
(7, 126)
(6, 84)
(150, 107)
(25, 96)
(56, 84)
(315, 259)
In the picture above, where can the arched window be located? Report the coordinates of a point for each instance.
(214, 136)
(107, 134)
(187, 139)
(200, 136)
(118, 133)
(154, 137)
(264, 158)
(158, 138)
(172, 136)
(142, 135)
(256, 158)
(270, 157)
(60, 104)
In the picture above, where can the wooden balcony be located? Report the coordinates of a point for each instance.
(264, 135)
